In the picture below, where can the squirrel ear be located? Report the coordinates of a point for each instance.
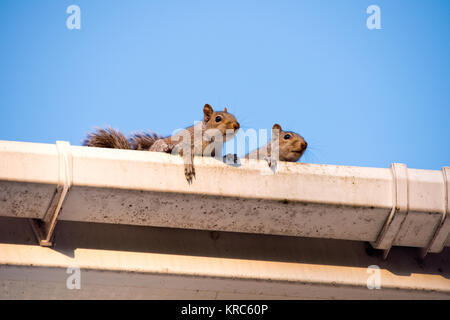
(207, 111)
(225, 109)
(276, 126)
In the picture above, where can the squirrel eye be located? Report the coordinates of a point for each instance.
(218, 118)
(286, 137)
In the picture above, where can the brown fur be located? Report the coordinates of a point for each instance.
(110, 138)
(227, 122)
(107, 138)
(144, 140)
(290, 150)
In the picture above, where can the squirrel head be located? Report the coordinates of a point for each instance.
(220, 120)
(291, 144)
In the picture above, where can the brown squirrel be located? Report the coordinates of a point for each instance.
(220, 122)
(291, 147)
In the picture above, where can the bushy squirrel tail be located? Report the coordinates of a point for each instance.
(107, 138)
(143, 140)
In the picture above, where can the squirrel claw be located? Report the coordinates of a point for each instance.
(272, 164)
(231, 159)
(189, 172)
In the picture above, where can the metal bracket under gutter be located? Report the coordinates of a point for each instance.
(439, 237)
(399, 210)
(44, 228)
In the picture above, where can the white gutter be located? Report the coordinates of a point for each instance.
(396, 206)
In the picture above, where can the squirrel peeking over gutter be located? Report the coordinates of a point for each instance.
(205, 138)
(202, 139)
(290, 147)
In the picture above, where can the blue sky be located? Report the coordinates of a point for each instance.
(359, 97)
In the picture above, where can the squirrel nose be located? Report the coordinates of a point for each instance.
(236, 126)
(304, 145)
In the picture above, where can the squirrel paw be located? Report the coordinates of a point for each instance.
(167, 149)
(161, 146)
(272, 164)
(231, 159)
(189, 172)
